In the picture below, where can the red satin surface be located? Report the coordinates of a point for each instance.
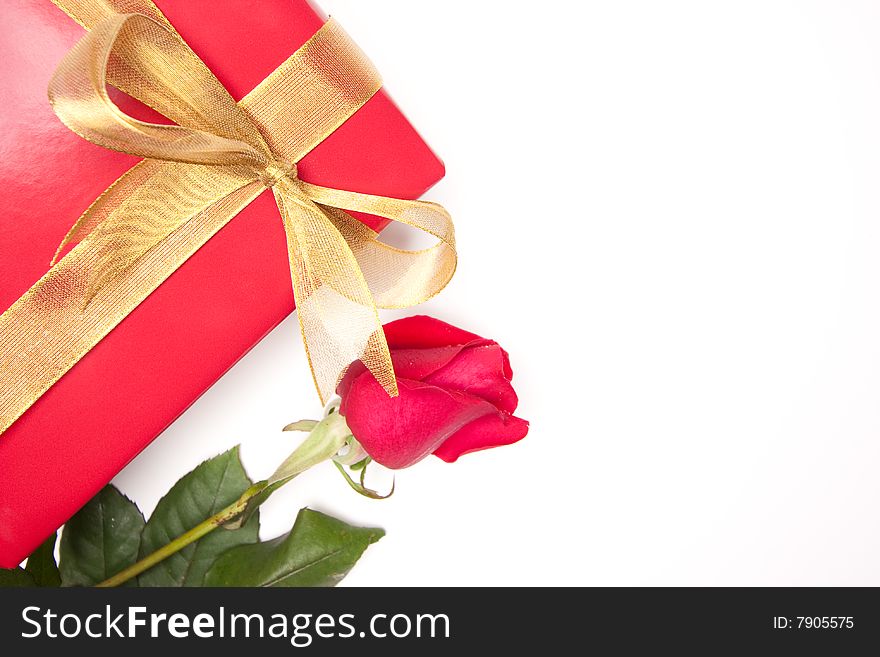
(211, 311)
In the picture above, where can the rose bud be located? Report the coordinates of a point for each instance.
(455, 396)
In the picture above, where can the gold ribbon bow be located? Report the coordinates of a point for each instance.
(199, 173)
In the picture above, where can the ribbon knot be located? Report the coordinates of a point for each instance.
(276, 171)
(196, 175)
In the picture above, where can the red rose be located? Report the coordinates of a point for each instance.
(455, 396)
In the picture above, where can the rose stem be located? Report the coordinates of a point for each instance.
(324, 440)
(194, 534)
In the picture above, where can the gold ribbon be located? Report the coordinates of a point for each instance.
(199, 173)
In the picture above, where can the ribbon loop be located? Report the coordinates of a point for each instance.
(398, 278)
(143, 55)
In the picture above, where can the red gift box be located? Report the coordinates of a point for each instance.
(212, 310)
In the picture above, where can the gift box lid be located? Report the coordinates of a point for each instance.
(212, 310)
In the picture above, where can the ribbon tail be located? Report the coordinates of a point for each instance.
(337, 315)
(103, 207)
(133, 218)
(46, 332)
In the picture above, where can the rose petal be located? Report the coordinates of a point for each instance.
(416, 364)
(421, 332)
(483, 433)
(478, 370)
(400, 431)
(413, 364)
(354, 370)
(508, 371)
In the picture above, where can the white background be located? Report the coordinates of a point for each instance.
(668, 214)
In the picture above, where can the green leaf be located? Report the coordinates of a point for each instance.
(211, 487)
(41, 564)
(318, 551)
(101, 539)
(16, 577)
